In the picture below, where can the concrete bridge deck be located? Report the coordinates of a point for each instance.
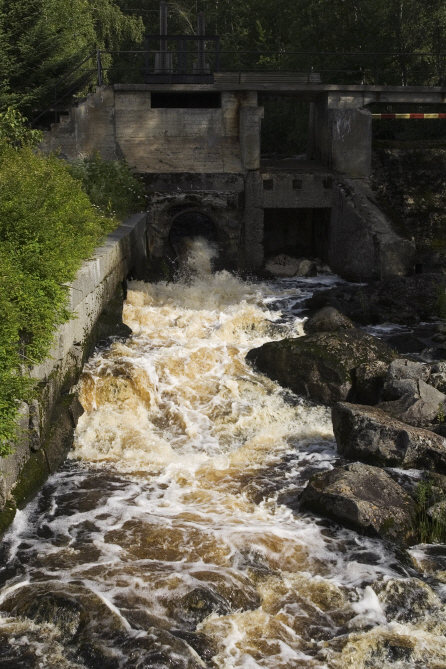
(352, 95)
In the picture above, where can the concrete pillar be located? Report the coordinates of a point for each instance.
(249, 130)
(253, 221)
(340, 135)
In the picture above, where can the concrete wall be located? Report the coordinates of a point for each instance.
(340, 136)
(119, 122)
(47, 423)
(363, 246)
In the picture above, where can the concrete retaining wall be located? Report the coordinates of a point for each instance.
(363, 246)
(47, 423)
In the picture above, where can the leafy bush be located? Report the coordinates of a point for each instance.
(110, 185)
(14, 130)
(47, 227)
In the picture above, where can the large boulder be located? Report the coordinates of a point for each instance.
(419, 409)
(407, 396)
(369, 434)
(364, 498)
(403, 377)
(320, 366)
(327, 319)
(370, 378)
(404, 300)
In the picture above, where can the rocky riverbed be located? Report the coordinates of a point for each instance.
(387, 411)
(207, 517)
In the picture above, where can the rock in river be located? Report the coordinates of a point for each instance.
(320, 366)
(369, 434)
(364, 498)
(327, 319)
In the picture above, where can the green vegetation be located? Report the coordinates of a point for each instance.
(430, 523)
(43, 40)
(48, 225)
(110, 185)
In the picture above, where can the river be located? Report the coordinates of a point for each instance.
(171, 538)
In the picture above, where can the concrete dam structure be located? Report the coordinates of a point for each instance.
(196, 142)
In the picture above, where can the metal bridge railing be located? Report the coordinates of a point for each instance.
(143, 65)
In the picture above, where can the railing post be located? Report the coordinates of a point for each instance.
(55, 103)
(99, 64)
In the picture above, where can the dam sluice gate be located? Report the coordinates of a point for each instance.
(171, 537)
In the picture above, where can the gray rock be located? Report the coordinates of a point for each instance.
(437, 377)
(417, 408)
(369, 434)
(306, 268)
(327, 319)
(320, 366)
(402, 377)
(364, 498)
(370, 379)
(408, 397)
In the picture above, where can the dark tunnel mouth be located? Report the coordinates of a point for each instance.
(192, 225)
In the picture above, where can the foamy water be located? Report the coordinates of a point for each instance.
(172, 536)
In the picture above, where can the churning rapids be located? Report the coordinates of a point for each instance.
(172, 536)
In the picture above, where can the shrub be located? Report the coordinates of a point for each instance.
(47, 227)
(15, 132)
(110, 185)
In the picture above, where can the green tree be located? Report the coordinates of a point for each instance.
(42, 40)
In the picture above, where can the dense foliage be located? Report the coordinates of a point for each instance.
(110, 185)
(48, 225)
(42, 40)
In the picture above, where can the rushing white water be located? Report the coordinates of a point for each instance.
(171, 538)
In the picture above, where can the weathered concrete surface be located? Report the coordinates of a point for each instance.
(252, 233)
(363, 247)
(122, 124)
(340, 136)
(296, 190)
(46, 426)
(223, 207)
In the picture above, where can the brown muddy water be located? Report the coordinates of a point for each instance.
(172, 536)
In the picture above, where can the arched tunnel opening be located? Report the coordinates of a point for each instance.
(186, 228)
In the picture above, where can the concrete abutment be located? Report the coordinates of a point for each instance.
(207, 159)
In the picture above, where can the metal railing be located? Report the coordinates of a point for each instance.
(140, 66)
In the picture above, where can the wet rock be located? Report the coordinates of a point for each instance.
(364, 498)
(327, 319)
(198, 604)
(369, 434)
(403, 300)
(407, 600)
(71, 608)
(430, 560)
(286, 266)
(320, 366)
(406, 343)
(369, 385)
